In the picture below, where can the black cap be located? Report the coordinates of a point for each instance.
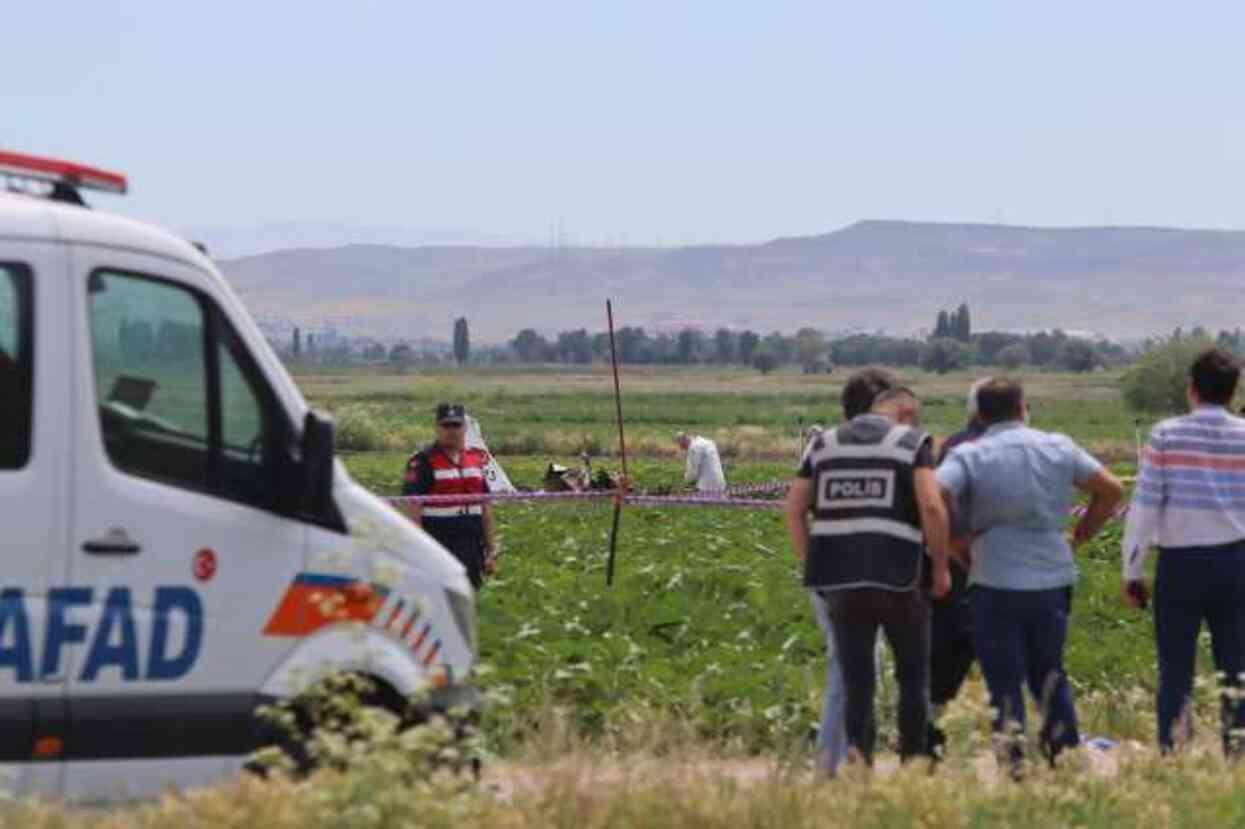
(451, 413)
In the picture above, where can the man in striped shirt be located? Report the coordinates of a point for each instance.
(1190, 502)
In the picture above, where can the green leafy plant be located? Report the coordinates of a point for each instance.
(1158, 382)
(345, 721)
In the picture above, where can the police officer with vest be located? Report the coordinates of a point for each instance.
(449, 467)
(870, 487)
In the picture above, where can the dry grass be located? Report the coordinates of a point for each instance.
(583, 785)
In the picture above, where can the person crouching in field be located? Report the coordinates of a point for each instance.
(1018, 484)
(1190, 501)
(871, 488)
(704, 466)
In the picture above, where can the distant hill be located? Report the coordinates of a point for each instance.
(234, 242)
(872, 275)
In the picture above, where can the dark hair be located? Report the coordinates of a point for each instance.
(862, 387)
(999, 400)
(1215, 373)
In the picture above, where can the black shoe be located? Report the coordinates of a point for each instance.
(1050, 751)
(935, 742)
(1050, 746)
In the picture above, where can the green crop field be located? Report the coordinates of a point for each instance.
(558, 414)
(707, 622)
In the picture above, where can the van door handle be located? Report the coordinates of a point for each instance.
(116, 542)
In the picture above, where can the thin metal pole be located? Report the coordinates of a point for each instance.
(622, 447)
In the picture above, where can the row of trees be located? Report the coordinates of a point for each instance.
(339, 351)
(1046, 349)
(811, 349)
(689, 346)
(952, 346)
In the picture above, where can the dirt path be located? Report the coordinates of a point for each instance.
(585, 774)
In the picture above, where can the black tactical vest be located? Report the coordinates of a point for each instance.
(866, 528)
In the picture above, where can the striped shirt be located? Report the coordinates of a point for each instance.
(1190, 488)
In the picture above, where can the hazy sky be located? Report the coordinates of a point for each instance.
(640, 121)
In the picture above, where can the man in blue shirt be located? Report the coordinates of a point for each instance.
(1018, 484)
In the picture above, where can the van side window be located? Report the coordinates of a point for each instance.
(151, 377)
(179, 399)
(16, 365)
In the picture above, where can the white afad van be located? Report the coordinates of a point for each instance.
(178, 544)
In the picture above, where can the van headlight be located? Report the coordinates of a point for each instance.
(463, 608)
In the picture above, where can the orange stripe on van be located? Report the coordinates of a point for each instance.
(314, 600)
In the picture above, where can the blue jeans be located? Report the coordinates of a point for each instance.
(1192, 585)
(1019, 637)
(831, 737)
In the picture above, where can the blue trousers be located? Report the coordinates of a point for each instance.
(831, 736)
(1192, 585)
(1019, 637)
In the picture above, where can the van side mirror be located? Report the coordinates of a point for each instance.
(317, 452)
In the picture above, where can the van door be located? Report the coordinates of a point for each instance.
(34, 481)
(181, 546)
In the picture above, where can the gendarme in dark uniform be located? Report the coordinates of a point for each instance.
(448, 467)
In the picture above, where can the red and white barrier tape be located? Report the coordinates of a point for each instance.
(488, 498)
(706, 499)
(766, 488)
(701, 501)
